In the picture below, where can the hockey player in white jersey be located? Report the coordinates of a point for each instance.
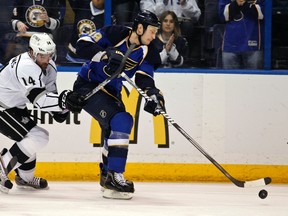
(30, 78)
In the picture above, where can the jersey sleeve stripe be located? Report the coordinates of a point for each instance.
(35, 93)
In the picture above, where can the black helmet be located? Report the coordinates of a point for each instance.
(146, 18)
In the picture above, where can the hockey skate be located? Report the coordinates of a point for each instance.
(117, 187)
(36, 183)
(5, 183)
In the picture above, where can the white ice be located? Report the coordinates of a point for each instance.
(159, 199)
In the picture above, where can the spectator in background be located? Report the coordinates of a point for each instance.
(89, 16)
(171, 45)
(187, 11)
(29, 17)
(124, 11)
(242, 43)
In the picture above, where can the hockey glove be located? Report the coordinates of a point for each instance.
(152, 106)
(72, 101)
(114, 60)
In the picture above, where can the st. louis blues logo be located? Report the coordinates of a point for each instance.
(33, 16)
(85, 26)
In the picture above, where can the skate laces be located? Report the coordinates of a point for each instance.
(35, 181)
(119, 178)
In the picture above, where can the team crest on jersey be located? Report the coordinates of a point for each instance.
(25, 120)
(103, 114)
(85, 26)
(130, 64)
(33, 16)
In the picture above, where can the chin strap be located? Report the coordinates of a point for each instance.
(139, 36)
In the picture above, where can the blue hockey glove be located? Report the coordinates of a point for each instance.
(114, 60)
(152, 106)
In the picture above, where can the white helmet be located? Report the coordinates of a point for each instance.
(42, 43)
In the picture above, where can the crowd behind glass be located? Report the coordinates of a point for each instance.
(203, 31)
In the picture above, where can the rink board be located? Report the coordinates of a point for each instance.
(240, 120)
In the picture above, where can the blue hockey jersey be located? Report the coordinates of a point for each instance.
(142, 61)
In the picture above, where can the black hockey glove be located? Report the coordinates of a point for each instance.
(60, 117)
(152, 106)
(72, 101)
(114, 60)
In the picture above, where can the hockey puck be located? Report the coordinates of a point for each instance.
(263, 194)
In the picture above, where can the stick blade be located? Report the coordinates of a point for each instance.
(258, 183)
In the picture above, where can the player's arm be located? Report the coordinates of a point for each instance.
(144, 79)
(147, 84)
(89, 45)
(45, 98)
(30, 78)
(86, 47)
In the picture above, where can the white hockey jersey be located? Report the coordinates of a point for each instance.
(22, 81)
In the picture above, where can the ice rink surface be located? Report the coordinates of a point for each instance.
(159, 199)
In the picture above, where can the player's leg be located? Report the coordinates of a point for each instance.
(17, 125)
(116, 186)
(116, 126)
(25, 178)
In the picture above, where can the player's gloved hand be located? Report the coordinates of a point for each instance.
(114, 60)
(152, 106)
(72, 101)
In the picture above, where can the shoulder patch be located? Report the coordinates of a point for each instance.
(96, 36)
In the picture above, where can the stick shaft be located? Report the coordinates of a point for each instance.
(116, 74)
(259, 182)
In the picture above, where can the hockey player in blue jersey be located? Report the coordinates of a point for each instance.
(105, 48)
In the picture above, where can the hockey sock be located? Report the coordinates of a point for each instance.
(15, 151)
(118, 142)
(26, 170)
(117, 151)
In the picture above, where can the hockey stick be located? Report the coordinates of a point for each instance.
(243, 184)
(7, 184)
(117, 72)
